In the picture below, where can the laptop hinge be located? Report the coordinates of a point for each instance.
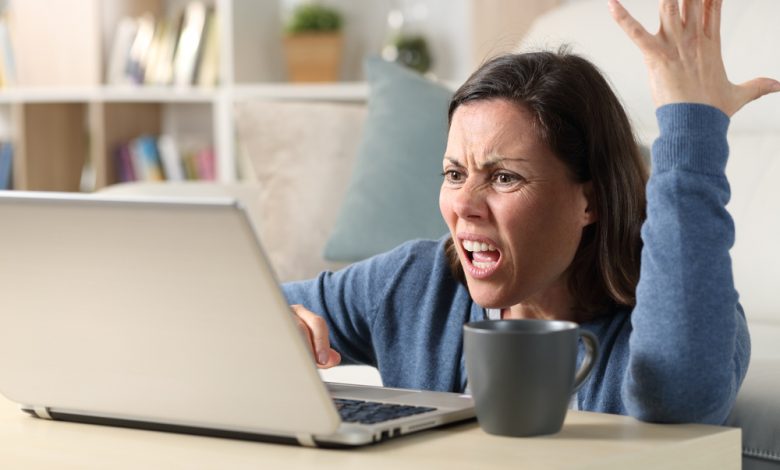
(41, 412)
(306, 440)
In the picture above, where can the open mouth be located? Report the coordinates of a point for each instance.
(482, 256)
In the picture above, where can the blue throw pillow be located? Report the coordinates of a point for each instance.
(393, 195)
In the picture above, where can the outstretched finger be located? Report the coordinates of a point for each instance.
(691, 15)
(711, 19)
(631, 26)
(671, 17)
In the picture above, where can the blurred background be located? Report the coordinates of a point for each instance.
(92, 91)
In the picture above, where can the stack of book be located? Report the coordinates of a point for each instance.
(182, 51)
(150, 158)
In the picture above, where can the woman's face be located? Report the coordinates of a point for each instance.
(514, 211)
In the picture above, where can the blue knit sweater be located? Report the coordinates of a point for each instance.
(679, 356)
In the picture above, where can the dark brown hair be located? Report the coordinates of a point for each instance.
(576, 113)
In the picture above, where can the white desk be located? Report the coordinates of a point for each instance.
(588, 440)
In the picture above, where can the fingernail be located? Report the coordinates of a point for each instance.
(322, 357)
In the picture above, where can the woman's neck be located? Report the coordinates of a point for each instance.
(555, 303)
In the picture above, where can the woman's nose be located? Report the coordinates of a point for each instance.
(470, 202)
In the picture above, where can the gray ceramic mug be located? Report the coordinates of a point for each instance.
(522, 373)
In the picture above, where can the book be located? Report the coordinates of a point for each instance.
(139, 50)
(206, 164)
(189, 44)
(123, 160)
(159, 68)
(208, 65)
(146, 160)
(153, 52)
(189, 160)
(120, 51)
(6, 165)
(171, 158)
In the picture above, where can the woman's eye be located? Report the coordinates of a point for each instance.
(505, 178)
(453, 176)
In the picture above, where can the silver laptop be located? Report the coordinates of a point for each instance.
(165, 314)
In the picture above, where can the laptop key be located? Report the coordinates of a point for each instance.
(369, 412)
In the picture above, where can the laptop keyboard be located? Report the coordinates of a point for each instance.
(371, 412)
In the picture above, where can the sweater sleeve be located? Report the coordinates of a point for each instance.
(689, 348)
(386, 311)
(342, 299)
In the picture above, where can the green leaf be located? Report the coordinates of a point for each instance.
(311, 17)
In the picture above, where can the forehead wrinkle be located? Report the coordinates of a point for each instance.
(492, 153)
(490, 162)
(484, 144)
(497, 159)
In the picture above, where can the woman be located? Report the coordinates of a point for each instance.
(544, 196)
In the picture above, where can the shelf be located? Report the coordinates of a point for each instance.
(160, 94)
(107, 94)
(341, 91)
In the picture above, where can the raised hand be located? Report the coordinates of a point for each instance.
(684, 58)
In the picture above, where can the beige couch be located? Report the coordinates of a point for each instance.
(299, 157)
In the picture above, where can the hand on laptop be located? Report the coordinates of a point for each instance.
(315, 332)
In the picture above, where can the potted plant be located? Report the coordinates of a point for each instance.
(313, 43)
(411, 51)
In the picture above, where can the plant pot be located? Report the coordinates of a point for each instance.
(313, 57)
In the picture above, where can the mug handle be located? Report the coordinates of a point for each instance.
(592, 354)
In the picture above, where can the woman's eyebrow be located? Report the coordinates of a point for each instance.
(488, 163)
(454, 161)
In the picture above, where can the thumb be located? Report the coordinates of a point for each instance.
(758, 87)
(334, 359)
(749, 91)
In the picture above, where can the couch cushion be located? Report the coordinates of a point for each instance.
(394, 191)
(757, 412)
(301, 154)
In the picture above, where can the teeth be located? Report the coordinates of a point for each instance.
(482, 265)
(473, 246)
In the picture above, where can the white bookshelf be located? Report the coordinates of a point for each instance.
(62, 116)
(109, 94)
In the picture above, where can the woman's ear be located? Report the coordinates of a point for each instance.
(591, 214)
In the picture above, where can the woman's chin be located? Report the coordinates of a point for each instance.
(488, 296)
